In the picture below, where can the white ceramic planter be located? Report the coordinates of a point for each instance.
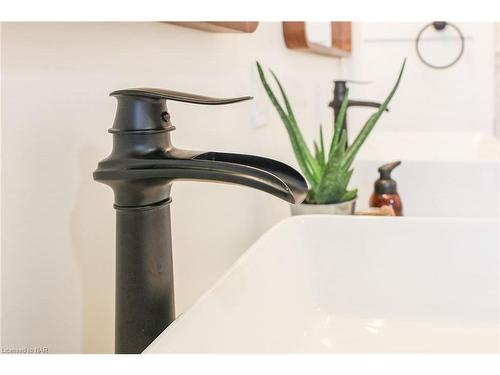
(344, 208)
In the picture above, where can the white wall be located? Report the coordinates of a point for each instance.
(58, 224)
(460, 98)
(0, 195)
(497, 66)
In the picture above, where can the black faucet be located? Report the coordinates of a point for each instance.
(339, 91)
(141, 168)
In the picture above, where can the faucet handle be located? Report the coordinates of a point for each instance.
(145, 109)
(178, 96)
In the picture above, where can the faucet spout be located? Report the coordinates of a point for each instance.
(363, 103)
(261, 173)
(268, 175)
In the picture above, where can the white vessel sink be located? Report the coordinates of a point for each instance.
(352, 284)
(437, 188)
(444, 174)
(430, 146)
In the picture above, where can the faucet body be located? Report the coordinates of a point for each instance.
(339, 92)
(141, 169)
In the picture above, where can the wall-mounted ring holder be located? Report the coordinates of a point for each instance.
(440, 26)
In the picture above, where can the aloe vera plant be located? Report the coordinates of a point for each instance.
(327, 170)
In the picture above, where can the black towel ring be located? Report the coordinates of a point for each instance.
(440, 25)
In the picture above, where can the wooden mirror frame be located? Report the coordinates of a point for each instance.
(296, 38)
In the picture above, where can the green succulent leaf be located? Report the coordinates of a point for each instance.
(334, 180)
(337, 129)
(322, 147)
(318, 155)
(370, 124)
(306, 161)
(315, 167)
(333, 187)
(349, 195)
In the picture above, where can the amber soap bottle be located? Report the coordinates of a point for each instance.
(386, 192)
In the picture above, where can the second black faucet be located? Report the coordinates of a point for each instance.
(339, 92)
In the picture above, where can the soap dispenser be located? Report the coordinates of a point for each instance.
(386, 193)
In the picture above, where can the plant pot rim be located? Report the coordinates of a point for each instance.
(328, 204)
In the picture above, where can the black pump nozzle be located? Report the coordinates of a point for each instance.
(386, 169)
(385, 184)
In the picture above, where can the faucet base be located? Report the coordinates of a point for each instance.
(144, 276)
